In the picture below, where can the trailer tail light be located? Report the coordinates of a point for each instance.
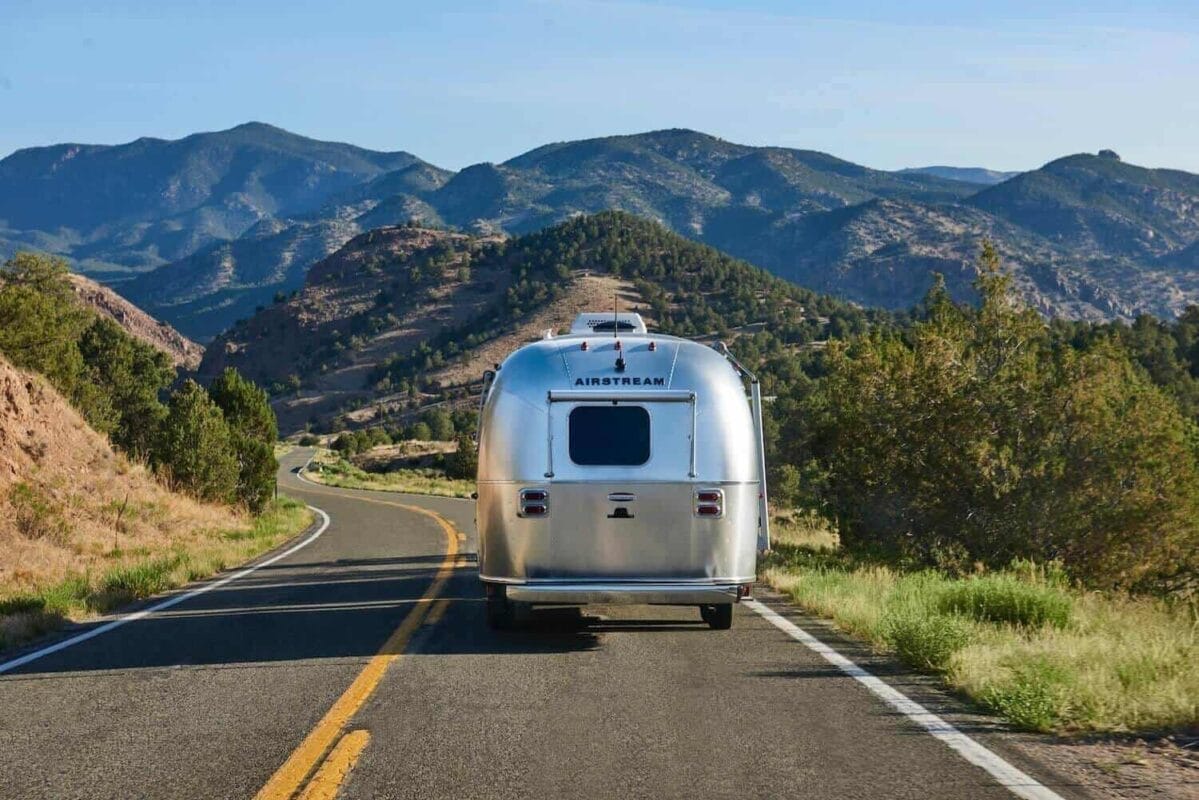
(709, 503)
(534, 502)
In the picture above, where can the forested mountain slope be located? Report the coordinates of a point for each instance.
(404, 316)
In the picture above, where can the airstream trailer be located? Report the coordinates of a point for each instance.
(619, 466)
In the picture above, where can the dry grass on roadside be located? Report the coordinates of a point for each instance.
(1022, 642)
(330, 469)
(33, 603)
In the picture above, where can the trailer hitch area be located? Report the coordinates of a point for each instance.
(620, 513)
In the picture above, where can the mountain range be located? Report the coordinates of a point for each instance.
(204, 230)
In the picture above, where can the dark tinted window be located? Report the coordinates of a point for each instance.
(613, 325)
(609, 436)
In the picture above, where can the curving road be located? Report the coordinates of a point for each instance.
(359, 666)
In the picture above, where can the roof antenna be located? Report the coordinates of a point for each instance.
(616, 330)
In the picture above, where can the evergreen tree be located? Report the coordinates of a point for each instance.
(195, 451)
(40, 325)
(974, 436)
(132, 374)
(463, 462)
(253, 431)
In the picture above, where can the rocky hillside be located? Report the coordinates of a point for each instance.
(183, 351)
(404, 316)
(1088, 235)
(139, 205)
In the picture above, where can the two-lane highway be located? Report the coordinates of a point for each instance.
(360, 666)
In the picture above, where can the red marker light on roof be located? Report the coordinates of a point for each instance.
(583, 346)
(653, 346)
(618, 344)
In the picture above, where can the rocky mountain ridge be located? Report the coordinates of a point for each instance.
(1087, 235)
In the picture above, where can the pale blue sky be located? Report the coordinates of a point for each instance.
(1007, 85)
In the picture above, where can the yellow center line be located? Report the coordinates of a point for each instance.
(333, 772)
(288, 778)
(438, 611)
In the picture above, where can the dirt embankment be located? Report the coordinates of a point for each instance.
(68, 503)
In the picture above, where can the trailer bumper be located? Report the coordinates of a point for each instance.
(631, 593)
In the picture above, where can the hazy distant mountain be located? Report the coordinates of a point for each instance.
(242, 215)
(139, 205)
(1097, 204)
(680, 177)
(980, 175)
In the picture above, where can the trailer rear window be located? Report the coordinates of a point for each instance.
(609, 436)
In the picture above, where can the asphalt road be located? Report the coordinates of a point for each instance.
(348, 646)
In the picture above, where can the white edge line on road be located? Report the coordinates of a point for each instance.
(170, 601)
(1008, 776)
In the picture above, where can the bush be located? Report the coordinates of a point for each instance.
(926, 641)
(308, 440)
(1033, 696)
(36, 515)
(1007, 599)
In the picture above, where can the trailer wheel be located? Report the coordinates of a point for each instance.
(718, 617)
(499, 613)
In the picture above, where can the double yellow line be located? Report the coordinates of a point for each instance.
(327, 737)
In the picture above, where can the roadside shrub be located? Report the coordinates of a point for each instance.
(1006, 599)
(1033, 697)
(925, 640)
(308, 440)
(36, 514)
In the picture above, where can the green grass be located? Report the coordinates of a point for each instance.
(1022, 642)
(333, 470)
(140, 575)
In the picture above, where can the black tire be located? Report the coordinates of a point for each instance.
(500, 615)
(705, 613)
(719, 617)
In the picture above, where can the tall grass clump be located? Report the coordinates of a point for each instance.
(1006, 598)
(1021, 642)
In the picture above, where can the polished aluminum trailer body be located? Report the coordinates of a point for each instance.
(601, 481)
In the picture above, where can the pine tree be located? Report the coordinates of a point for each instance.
(253, 431)
(195, 450)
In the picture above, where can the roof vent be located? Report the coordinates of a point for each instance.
(607, 322)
